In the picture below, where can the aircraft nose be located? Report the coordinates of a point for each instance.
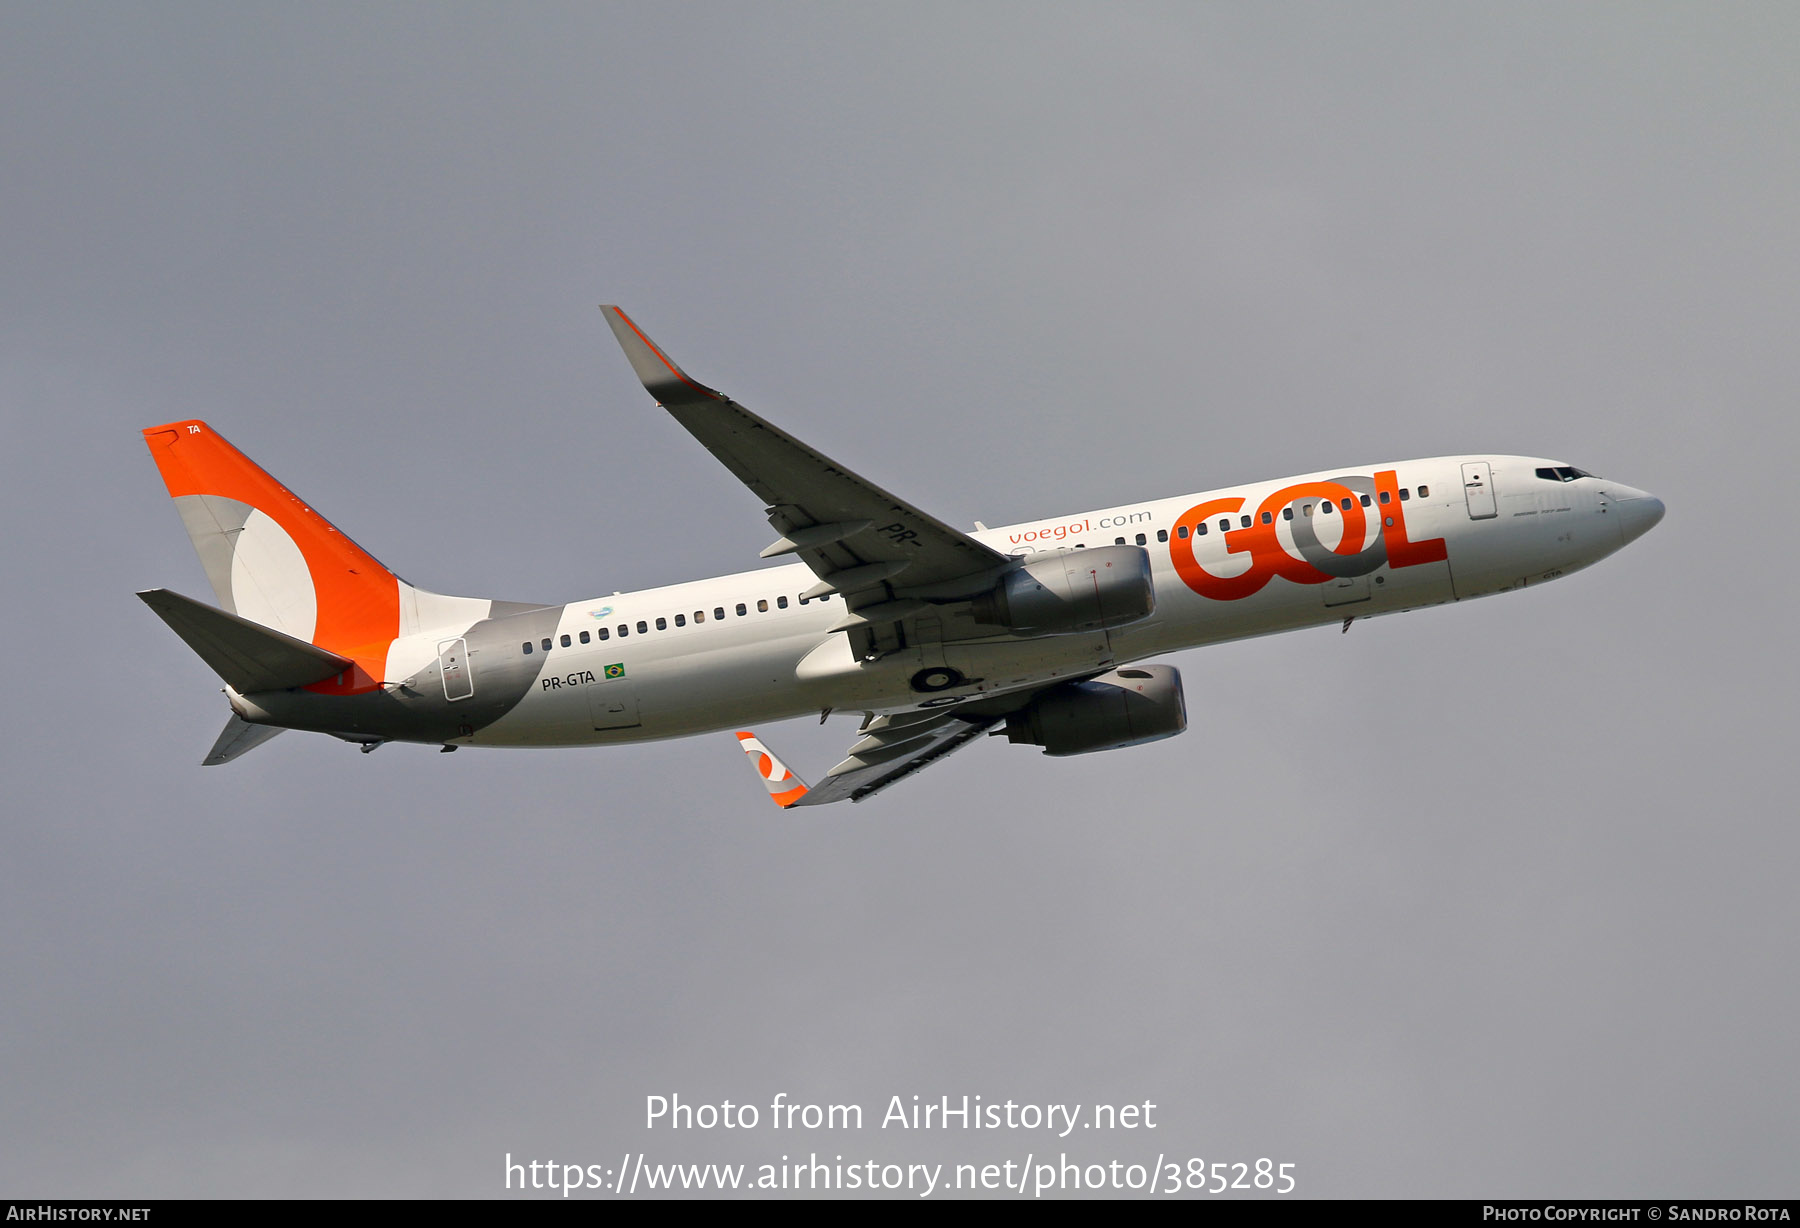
(1639, 512)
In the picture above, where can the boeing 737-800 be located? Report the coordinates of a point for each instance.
(934, 636)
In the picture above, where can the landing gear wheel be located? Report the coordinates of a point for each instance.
(939, 678)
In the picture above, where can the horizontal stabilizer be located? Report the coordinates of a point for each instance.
(248, 656)
(238, 737)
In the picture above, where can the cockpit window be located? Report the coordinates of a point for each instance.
(1563, 473)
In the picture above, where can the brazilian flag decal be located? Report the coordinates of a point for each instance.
(616, 671)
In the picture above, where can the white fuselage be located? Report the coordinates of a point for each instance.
(740, 649)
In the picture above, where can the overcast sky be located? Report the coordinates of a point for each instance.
(1010, 261)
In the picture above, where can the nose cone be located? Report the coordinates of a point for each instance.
(1639, 512)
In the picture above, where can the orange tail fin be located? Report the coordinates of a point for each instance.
(270, 557)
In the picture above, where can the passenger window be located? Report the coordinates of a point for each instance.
(643, 628)
(546, 644)
(1384, 496)
(566, 641)
(1201, 528)
(740, 609)
(624, 630)
(527, 647)
(1306, 509)
(1224, 525)
(1118, 541)
(1365, 500)
(1287, 513)
(1181, 531)
(699, 616)
(762, 607)
(1268, 518)
(1162, 535)
(781, 603)
(584, 637)
(718, 611)
(1405, 494)
(1424, 491)
(1142, 540)
(1325, 508)
(1346, 503)
(605, 634)
(1246, 521)
(662, 624)
(681, 620)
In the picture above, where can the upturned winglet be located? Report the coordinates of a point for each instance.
(785, 788)
(662, 379)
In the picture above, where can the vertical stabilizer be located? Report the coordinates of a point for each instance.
(270, 557)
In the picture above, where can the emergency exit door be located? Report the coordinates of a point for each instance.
(453, 663)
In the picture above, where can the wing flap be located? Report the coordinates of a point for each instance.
(886, 756)
(889, 749)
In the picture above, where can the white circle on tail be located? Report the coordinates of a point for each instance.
(270, 581)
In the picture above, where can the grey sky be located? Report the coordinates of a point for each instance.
(1010, 261)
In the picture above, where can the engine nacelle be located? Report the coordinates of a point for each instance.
(1127, 707)
(1072, 590)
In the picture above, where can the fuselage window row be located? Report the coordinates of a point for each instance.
(1184, 532)
(1162, 535)
(662, 624)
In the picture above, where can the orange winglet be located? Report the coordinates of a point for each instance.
(785, 788)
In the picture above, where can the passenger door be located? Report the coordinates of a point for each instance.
(1478, 490)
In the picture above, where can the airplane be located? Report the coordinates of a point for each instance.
(1038, 631)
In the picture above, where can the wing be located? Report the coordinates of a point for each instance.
(891, 748)
(861, 541)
